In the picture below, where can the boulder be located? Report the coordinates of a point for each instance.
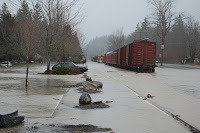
(84, 84)
(88, 78)
(10, 118)
(97, 84)
(89, 87)
(85, 99)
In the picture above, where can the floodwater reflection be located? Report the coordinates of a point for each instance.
(14, 79)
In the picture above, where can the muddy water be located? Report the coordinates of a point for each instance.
(42, 96)
(13, 78)
(37, 86)
(127, 114)
(183, 80)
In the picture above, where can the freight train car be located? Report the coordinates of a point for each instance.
(114, 58)
(142, 56)
(100, 59)
(94, 58)
(122, 57)
(138, 56)
(108, 58)
(111, 58)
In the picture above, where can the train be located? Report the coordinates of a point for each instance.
(99, 59)
(94, 58)
(139, 56)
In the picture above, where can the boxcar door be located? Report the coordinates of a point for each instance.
(138, 54)
(150, 53)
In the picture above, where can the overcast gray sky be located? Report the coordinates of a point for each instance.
(102, 17)
(105, 16)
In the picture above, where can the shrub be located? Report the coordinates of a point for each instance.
(61, 71)
(75, 71)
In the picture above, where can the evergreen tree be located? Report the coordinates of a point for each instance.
(7, 24)
(24, 13)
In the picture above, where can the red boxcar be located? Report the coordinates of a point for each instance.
(108, 58)
(118, 57)
(139, 56)
(122, 59)
(94, 58)
(114, 58)
(142, 56)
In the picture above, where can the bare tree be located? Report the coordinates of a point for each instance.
(177, 42)
(163, 17)
(193, 38)
(56, 15)
(163, 14)
(29, 32)
(116, 40)
(30, 38)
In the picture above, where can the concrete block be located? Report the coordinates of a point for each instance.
(10, 118)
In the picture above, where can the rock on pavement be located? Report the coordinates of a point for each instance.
(88, 78)
(85, 99)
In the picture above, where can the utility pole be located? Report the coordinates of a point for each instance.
(162, 45)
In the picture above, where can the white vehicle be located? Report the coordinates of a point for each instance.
(6, 63)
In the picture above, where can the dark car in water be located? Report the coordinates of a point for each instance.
(70, 65)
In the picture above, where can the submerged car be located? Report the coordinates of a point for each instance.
(6, 63)
(70, 65)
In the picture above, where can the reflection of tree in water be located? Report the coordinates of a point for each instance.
(46, 87)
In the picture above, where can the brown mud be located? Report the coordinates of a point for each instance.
(93, 105)
(66, 128)
(89, 91)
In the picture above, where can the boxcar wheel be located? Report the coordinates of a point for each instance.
(138, 69)
(152, 69)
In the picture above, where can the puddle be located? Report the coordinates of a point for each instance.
(38, 86)
(12, 79)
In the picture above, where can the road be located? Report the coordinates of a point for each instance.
(48, 100)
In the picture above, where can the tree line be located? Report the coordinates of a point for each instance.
(44, 29)
(179, 34)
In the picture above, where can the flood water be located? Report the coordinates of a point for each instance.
(50, 100)
(183, 79)
(13, 78)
